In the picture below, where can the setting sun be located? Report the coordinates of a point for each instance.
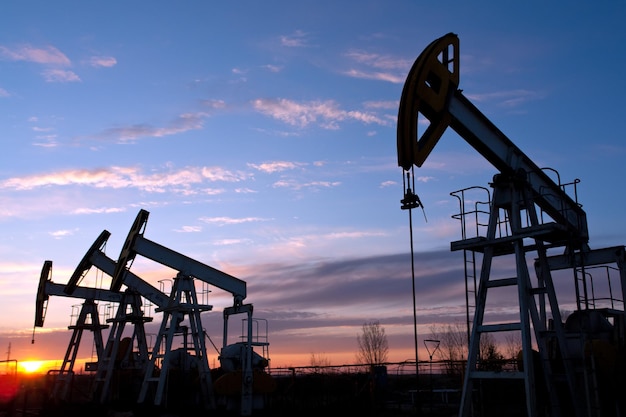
(30, 366)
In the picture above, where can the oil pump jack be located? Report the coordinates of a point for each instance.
(237, 359)
(118, 350)
(239, 363)
(568, 366)
(88, 319)
(183, 292)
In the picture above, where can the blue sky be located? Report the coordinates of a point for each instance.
(260, 136)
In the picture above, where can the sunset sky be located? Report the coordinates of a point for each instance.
(261, 137)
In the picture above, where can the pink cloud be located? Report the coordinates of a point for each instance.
(47, 55)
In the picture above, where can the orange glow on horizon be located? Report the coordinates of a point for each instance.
(30, 367)
(279, 358)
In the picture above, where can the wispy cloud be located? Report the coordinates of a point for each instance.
(310, 241)
(276, 166)
(45, 137)
(47, 55)
(245, 190)
(295, 185)
(386, 105)
(280, 133)
(298, 39)
(131, 133)
(351, 235)
(375, 280)
(214, 103)
(46, 141)
(379, 61)
(60, 76)
(100, 210)
(59, 234)
(378, 67)
(325, 113)
(207, 191)
(229, 242)
(4, 93)
(126, 177)
(376, 75)
(273, 68)
(221, 174)
(222, 221)
(102, 61)
(189, 229)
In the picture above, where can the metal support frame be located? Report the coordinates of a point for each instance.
(518, 205)
(89, 309)
(183, 302)
(129, 311)
(584, 327)
(246, 366)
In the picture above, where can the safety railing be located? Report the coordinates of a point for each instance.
(595, 287)
(474, 211)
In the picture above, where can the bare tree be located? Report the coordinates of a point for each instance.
(319, 361)
(512, 345)
(490, 358)
(373, 345)
(453, 346)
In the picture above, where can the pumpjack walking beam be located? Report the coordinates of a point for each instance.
(95, 257)
(136, 243)
(521, 191)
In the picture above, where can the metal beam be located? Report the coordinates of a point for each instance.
(137, 244)
(132, 281)
(84, 293)
(191, 267)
